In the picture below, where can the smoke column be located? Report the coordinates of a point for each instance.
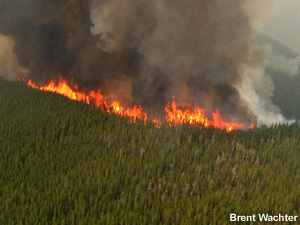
(9, 67)
(146, 51)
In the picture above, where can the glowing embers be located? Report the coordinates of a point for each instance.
(174, 115)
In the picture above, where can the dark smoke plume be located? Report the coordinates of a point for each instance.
(146, 51)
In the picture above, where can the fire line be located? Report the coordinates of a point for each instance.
(174, 115)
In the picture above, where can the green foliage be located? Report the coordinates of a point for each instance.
(64, 162)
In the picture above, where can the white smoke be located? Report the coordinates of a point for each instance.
(283, 65)
(256, 86)
(256, 89)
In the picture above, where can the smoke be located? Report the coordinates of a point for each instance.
(281, 64)
(9, 66)
(201, 52)
(257, 11)
(288, 66)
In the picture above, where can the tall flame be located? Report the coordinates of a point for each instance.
(177, 116)
(174, 115)
(92, 97)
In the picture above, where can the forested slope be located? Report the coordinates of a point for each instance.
(64, 162)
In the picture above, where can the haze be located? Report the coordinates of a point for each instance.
(283, 23)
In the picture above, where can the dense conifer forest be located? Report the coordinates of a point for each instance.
(64, 162)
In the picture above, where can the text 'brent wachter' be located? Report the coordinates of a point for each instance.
(263, 217)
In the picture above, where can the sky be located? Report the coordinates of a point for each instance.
(283, 23)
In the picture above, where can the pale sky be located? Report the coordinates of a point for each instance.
(283, 23)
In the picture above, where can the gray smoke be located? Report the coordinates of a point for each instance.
(198, 51)
(279, 63)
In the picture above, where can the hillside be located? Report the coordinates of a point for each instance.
(64, 162)
(277, 46)
(287, 87)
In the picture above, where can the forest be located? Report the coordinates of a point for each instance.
(65, 162)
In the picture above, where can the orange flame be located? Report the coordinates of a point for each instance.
(174, 115)
(177, 116)
(96, 98)
(252, 126)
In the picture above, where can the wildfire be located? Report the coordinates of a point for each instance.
(177, 116)
(174, 115)
(92, 97)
